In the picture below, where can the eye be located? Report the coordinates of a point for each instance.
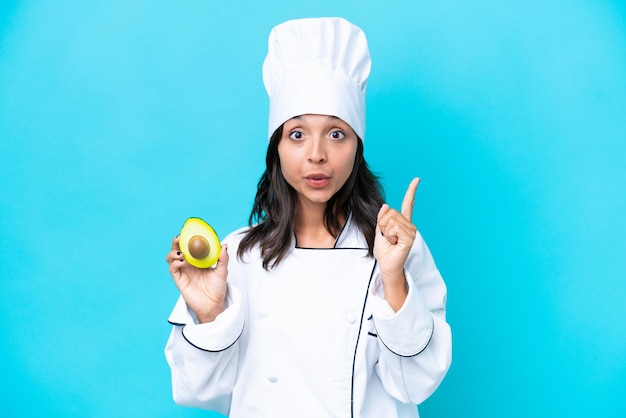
(337, 135)
(296, 135)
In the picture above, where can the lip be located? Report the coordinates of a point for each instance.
(317, 180)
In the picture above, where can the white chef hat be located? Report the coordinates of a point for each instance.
(317, 66)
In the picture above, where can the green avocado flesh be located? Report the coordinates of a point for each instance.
(199, 243)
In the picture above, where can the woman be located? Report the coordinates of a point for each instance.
(329, 304)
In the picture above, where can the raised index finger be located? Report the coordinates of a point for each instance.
(409, 199)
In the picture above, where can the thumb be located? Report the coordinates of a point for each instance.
(222, 262)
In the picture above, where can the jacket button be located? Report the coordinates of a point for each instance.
(351, 317)
(272, 379)
(262, 314)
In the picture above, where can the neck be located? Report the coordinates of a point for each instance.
(309, 227)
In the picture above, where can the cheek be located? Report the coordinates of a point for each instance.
(287, 166)
(348, 162)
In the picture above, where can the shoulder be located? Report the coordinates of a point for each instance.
(242, 266)
(234, 238)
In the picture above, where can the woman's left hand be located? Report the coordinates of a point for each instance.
(395, 234)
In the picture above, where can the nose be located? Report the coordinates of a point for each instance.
(317, 150)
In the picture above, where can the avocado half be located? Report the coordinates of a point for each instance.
(199, 243)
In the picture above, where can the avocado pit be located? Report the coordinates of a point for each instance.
(199, 247)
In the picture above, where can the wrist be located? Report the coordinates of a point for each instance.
(211, 311)
(206, 317)
(393, 277)
(395, 289)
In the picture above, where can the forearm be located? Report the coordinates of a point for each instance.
(203, 356)
(200, 379)
(412, 379)
(415, 340)
(395, 290)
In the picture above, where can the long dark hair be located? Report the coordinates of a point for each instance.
(275, 207)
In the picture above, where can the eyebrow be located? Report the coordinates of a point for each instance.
(299, 117)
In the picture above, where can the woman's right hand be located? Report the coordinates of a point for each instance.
(204, 290)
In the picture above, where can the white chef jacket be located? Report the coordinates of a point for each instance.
(314, 337)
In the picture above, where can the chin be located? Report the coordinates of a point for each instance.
(318, 198)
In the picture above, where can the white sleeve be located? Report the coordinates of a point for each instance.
(415, 341)
(203, 357)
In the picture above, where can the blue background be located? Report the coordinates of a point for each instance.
(119, 119)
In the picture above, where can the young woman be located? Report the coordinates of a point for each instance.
(329, 304)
